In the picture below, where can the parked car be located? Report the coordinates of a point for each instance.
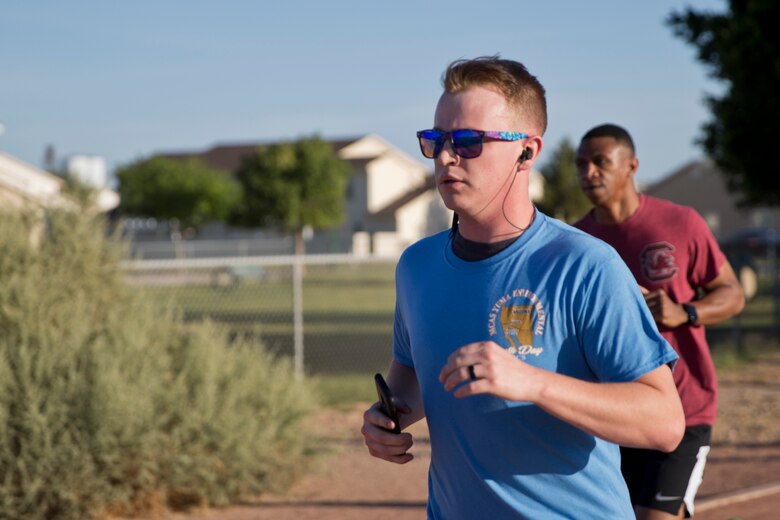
(753, 252)
(751, 241)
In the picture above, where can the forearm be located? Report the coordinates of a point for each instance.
(723, 299)
(645, 413)
(720, 304)
(402, 381)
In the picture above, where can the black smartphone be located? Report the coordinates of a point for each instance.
(386, 401)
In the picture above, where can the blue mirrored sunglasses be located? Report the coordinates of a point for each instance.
(466, 143)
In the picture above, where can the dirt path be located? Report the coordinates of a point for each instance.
(347, 484)
(352, 485)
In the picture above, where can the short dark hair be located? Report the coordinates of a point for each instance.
(524, 93)
(618, 133)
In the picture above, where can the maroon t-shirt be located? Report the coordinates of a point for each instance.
(670, 247)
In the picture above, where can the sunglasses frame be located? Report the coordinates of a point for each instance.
(439, 137)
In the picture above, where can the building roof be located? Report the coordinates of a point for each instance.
(696, 167)
(29, 181)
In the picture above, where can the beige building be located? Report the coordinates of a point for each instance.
(24, 185)
(391, 198)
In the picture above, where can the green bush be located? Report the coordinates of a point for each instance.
(110, 404)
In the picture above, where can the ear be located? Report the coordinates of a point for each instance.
(634, 166)
(534, 146)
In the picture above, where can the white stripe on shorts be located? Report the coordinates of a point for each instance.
(697, 476)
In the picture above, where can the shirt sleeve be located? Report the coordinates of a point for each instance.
(402, 351)
(617, 333)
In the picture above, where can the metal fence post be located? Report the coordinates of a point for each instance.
(298, 314)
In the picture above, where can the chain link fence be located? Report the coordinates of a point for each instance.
(331, 313)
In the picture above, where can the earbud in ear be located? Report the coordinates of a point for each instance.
(526, 155)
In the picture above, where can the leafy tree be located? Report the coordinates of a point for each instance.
(184, 191)
(563, 197)
(293, 185)
(741, 47)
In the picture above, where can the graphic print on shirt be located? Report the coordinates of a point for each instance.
(657, 261)
(515, 319)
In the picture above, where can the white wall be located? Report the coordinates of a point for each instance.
(390, 177)
(422, 217)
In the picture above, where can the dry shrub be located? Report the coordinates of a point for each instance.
(111, 404)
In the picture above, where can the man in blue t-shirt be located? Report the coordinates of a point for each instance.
(525, 343)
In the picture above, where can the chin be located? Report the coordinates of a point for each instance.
(449, 202)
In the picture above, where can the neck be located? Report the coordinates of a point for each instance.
(617, 212)
(506, 215)
(507, 226)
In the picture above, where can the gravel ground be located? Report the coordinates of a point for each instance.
(349, 484)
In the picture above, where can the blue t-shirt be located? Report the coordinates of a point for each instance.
(558, 299)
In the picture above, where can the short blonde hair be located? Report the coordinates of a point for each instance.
(521, 89)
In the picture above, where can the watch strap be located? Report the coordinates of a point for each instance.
(693, 316)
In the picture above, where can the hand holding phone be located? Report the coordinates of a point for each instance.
(386, 401)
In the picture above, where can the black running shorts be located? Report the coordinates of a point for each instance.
(663, 481)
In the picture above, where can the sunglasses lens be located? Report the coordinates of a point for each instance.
(468, 143)
(430, 142)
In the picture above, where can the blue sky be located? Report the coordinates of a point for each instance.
(127, 79)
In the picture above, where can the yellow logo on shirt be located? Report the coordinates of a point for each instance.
(519, 315)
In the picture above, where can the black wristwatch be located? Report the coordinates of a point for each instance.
(693, 316)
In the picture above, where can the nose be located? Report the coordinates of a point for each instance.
(447, 154)
(586, 169)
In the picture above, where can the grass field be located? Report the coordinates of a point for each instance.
(347, 313)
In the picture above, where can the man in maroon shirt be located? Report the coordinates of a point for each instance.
(674, 258)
